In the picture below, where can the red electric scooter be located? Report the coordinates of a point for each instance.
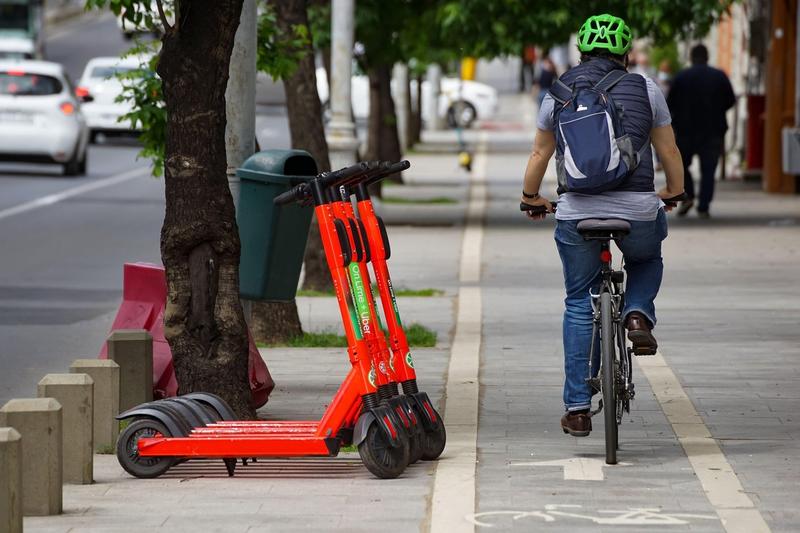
(201, 425)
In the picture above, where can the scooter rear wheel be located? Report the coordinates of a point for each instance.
(380, 457)
(128, 452)
(416, 443)
(433, 442)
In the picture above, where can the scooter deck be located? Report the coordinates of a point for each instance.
(234, 446)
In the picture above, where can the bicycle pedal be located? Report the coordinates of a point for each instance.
(644, 351)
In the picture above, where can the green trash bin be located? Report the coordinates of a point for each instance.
(273, 236)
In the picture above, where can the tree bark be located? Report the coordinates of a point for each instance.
(383, 142)
(203, 321)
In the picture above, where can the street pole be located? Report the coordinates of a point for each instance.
(797, 69)
(240, 99)
(342, 141)
(240, 103)
(401, 103)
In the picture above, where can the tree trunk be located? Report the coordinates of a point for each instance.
(275, 322)
(203, 322)
(416, 128)
(383, 142)
(409, 140)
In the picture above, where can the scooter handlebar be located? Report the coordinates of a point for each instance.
(392, 169)
(302, 191)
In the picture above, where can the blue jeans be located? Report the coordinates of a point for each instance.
(581, 262)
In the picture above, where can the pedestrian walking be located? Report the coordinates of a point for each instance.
(547, 75)
(698, 99)
(617, 163)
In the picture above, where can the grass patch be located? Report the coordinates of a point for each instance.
(426, 293)
(422, 293)
(350, 448)
(418, 337)
(106, 449)
(438, 200)
(314, 293)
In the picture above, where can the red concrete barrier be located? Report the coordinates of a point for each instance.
(144, 297)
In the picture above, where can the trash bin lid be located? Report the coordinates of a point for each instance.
(278, 167)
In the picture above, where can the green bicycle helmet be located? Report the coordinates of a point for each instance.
(605, 32)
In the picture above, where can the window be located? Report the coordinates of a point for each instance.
(21, 84)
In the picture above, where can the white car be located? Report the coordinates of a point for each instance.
(461, 102)
(40, 117)
(99, 88)
(12, 47)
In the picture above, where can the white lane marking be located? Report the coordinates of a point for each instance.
(632, 516)
(51, 199)
(580, 468)
(719, 481)
(453, 497)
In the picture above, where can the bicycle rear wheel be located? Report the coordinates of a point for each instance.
(607, 353)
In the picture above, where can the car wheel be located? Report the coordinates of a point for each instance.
(83, 163)
(73, 166)
(461, 114)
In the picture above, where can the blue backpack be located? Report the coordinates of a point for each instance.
(593, 152)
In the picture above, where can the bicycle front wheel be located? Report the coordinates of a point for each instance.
(607, 356)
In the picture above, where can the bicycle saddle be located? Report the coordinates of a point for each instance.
(610, 228)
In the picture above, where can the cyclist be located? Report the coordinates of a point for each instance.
(604, 42)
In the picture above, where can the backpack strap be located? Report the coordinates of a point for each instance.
(560, 91)
(609, 80)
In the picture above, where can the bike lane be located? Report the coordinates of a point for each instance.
(529, 475)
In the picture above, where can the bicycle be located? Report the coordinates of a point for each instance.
(614, 377)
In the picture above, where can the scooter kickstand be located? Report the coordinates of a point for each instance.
(230, 465)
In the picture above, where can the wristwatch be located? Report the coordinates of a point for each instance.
(530, 196)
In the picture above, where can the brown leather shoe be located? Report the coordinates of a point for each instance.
(576, 424)
(640, 334)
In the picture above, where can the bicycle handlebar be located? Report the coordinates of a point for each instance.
(536, 209)
(673, 202)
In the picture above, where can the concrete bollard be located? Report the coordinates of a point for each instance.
(10, 481)
(132, 350)
(38, 420)
(74, 392)
(105, 374)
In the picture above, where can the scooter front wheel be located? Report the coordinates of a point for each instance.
(380, 457)
(128, 450)
(433, 441)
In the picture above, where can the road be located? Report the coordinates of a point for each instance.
(62, 252)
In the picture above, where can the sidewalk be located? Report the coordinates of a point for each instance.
(728, 365)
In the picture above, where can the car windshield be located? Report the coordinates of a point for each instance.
(21, 84)
(110, 71)
(14, 17)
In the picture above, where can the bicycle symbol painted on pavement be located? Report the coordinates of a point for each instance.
(633, 516)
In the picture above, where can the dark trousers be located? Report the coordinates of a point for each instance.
(708, 150)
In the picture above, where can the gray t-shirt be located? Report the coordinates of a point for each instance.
(628, 205)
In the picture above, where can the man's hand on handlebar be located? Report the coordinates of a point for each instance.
(671, 198)
(539, 201)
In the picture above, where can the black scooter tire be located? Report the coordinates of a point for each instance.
(381, 458)
(434, 441)
(127, 453)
